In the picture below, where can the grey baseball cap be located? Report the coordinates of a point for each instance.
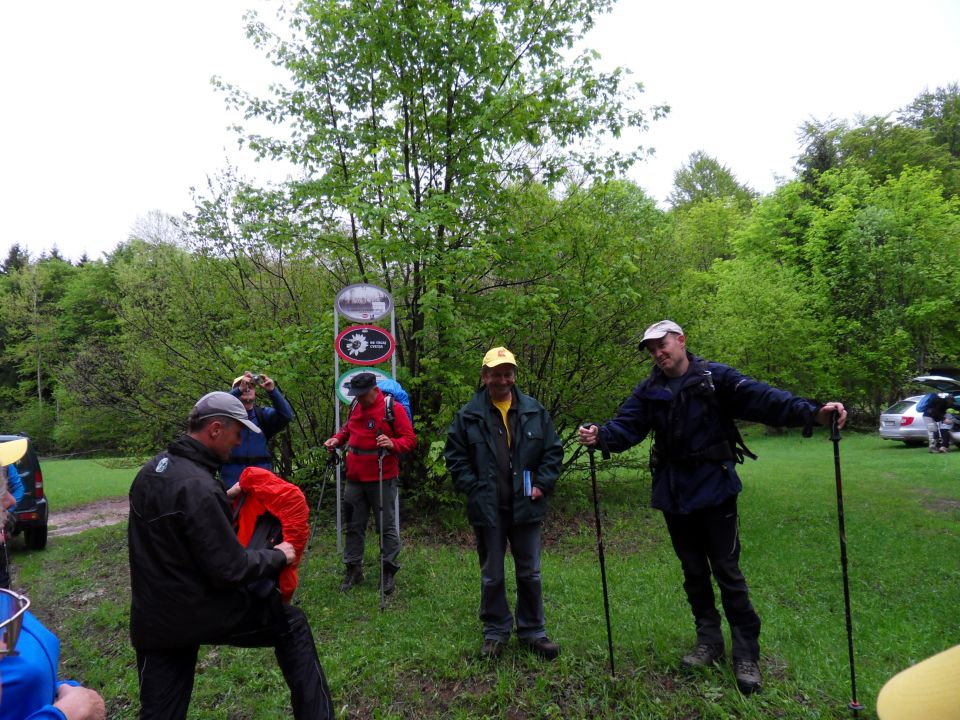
(659, 329)
(221, 404)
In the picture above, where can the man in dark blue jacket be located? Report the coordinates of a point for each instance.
(690, 405)
(253, 450)
(504, 454)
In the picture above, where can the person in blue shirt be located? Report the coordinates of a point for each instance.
(29, 688)
(253, 450)
(15, 487)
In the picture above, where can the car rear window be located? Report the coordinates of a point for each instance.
(899, 408)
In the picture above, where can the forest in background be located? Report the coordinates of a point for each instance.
(453, 154)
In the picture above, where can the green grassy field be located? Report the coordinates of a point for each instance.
(69, 483)
(418, 658)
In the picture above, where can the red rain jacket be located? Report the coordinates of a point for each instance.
(265, 492)
(360, 432)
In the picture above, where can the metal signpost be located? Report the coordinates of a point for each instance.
(363, 345)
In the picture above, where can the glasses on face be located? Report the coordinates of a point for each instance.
(12, 609)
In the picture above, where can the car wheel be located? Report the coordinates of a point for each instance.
(35, 537)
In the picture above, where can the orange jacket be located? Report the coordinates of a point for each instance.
(265, 492)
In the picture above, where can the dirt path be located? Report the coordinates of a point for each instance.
(98, 514)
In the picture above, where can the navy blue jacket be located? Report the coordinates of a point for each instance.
(252, 450)
(694, 466)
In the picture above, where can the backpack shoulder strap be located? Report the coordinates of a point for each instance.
(388, 413)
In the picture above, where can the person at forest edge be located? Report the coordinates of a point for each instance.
(690, 405)
(190, 578)
(372, 439)
(253, 450)
(504, 454)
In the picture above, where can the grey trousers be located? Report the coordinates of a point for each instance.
(494, 610)
(359, 499)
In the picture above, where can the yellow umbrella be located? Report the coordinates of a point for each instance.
(12, 450)
(929, 690)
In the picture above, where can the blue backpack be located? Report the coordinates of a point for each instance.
(392, 389)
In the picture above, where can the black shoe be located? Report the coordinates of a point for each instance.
(389, 584)
(703, 655)
(492, 649)
(543, 646)
(352, 576)
(747, 673)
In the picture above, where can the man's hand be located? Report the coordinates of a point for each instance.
(80, 703)
(384, 442)
(288, 552)
(588, 435)
(536, 493)
(267, 383)
(331, 444)
(825, 414)
(234, 490)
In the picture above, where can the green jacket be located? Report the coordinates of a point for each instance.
(471, 458)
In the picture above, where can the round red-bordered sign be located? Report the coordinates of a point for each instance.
(364, 345)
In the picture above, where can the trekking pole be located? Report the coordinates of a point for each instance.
(854, 706)
(332, 462)
(380, 453)
(603, 565)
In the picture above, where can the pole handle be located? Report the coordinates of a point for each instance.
(834, 428)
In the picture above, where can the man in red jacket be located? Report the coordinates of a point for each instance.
(369, 434)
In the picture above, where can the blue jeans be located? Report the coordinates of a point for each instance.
(494, 610)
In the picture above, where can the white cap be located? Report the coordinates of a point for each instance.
(659, 329)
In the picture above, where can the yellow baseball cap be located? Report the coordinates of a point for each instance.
(498, 356)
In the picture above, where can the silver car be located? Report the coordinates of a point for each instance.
(902, 422)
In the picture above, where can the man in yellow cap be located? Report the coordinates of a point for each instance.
(505, 456)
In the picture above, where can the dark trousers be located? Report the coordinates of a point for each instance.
(4, 566)
(166, 676)
(494, 611)
(707, 542)
(359, 499)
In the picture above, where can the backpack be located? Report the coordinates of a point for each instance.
(391, 390)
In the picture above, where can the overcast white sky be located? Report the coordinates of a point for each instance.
(107, 113)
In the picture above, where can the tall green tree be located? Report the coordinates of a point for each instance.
(414, 121)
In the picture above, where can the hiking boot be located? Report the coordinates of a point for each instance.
(389, 584)
(747, 673)
(703, 654)
(933, 450)
(352, 576)
(543, 646)
(944, 449)
(492, 649)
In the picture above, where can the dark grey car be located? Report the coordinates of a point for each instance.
(31, 513)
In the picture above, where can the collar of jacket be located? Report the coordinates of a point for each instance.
(185, 446)
(657, 382)
(480, 403)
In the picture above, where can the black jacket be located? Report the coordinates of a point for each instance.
(187, 568)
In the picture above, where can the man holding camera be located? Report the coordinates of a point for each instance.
(253, 450)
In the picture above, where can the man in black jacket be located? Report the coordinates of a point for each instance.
(189, 574)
